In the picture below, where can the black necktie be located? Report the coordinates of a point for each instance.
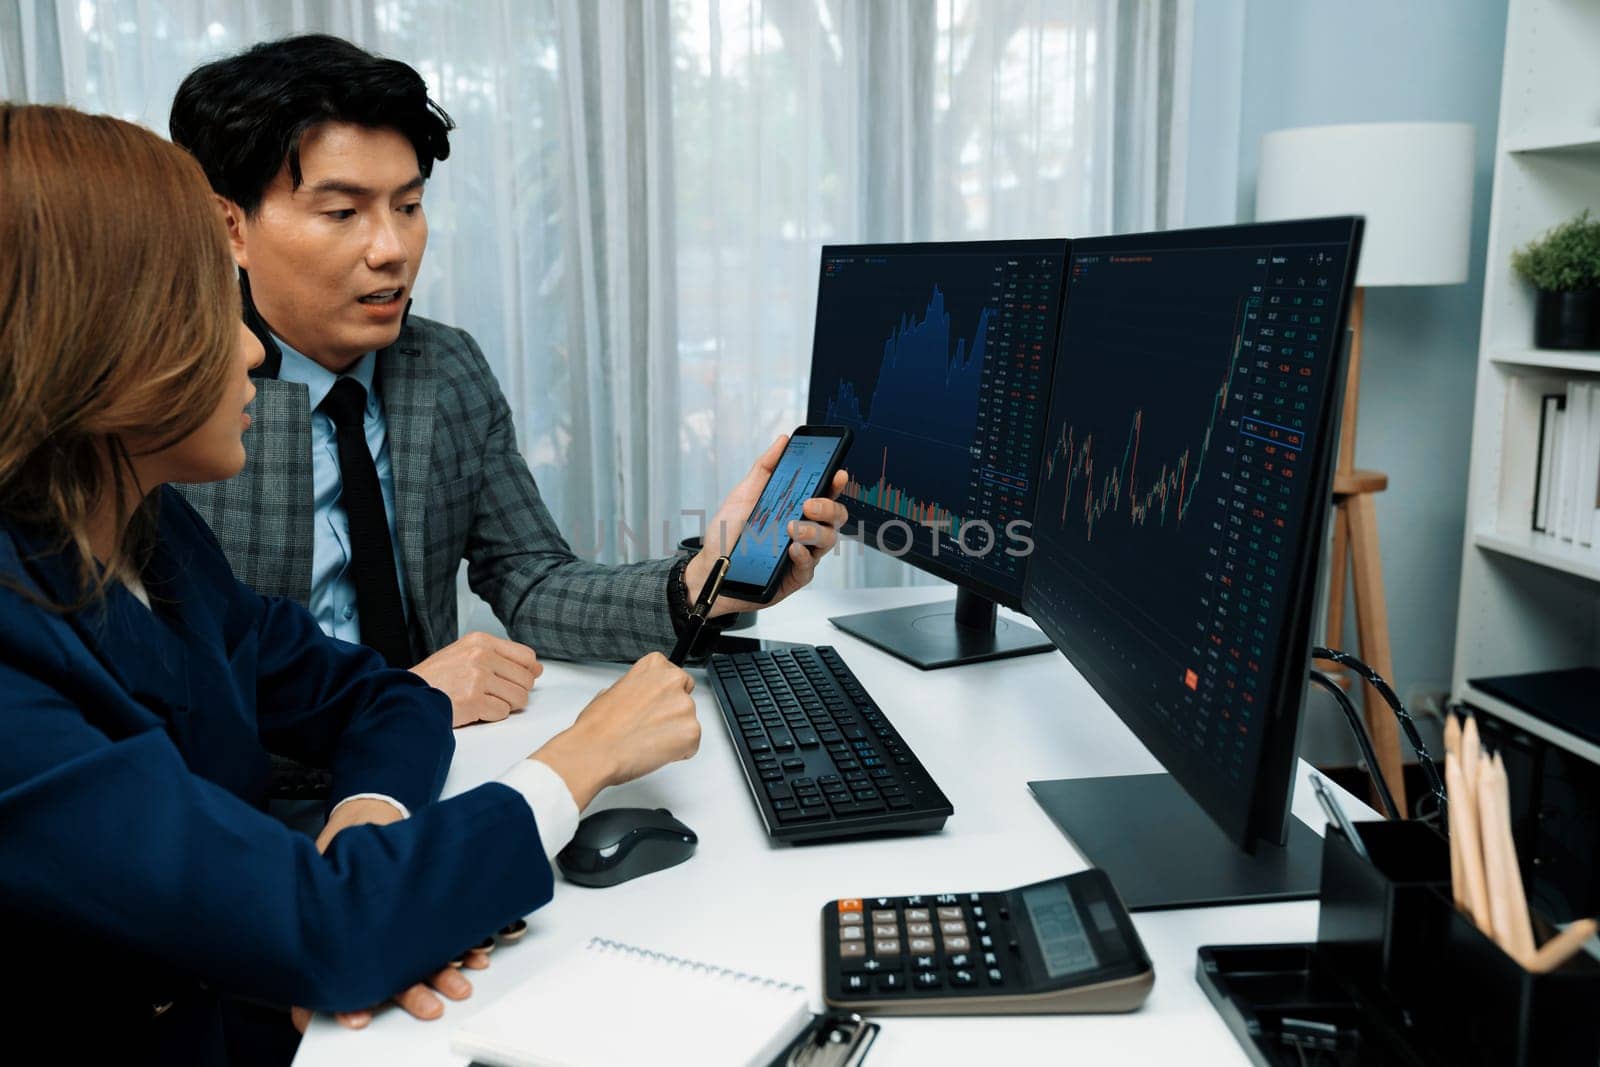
(383, 620)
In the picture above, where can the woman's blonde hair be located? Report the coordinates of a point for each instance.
(119, 318)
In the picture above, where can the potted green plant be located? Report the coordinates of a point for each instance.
(1564, 266)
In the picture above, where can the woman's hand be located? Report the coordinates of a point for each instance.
(643, 721)
(363, 811)
(420, 1000)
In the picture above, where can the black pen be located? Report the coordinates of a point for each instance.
(700, 612)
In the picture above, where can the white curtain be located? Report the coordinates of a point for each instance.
(630, 218)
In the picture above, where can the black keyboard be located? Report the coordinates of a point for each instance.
(821, 757)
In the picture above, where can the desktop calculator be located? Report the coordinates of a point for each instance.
(1063, 945)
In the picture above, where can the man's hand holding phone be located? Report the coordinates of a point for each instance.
(814, 533)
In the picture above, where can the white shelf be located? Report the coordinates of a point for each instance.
(1517, 360)
(1545, 550)
(1532, 724)
(1513, 618)
(1569, 139)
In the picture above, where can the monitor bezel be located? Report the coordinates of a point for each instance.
(857, 527)
(1265, 815)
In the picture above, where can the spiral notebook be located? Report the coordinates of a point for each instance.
(609, 1003)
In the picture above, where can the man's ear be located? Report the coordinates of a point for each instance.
(233, 217)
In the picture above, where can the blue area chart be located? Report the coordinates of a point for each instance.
(925, 397)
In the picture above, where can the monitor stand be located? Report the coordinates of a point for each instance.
(943, 634)
(1162, 850)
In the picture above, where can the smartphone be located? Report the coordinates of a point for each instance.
(761, 554)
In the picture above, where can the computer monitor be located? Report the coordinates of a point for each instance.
(938, 356)
(1183, 498)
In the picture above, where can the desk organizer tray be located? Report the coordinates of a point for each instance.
(1397, 976)
(1287, 1008)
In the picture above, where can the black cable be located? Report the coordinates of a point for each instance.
(1356, 727)
(1408, 725)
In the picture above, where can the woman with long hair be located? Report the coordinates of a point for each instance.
(144, 892)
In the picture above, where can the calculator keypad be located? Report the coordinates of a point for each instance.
(942, 946)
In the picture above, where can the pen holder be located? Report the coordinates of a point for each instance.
(1484, 1008)
(1373, 927)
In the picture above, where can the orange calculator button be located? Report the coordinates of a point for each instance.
(853, 904)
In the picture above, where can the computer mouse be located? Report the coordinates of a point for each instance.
(617, 844)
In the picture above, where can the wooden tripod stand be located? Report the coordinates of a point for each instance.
(1355, 544)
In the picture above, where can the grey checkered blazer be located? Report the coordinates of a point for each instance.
(462, 491)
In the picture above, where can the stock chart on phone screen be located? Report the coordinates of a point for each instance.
(939, 361)
(796, 479)
(1176, 475)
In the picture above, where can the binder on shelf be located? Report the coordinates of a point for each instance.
(1566, 475)
(1575, 443)
(1552, 413)
(1584, 505)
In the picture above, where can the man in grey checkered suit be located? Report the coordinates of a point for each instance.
(382, 451)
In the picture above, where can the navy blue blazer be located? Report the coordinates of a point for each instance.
(138, 868)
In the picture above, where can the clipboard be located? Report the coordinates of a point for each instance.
(834, 1039)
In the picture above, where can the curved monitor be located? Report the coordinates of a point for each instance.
(1183, 493)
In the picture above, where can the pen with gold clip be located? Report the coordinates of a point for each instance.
(700, 612)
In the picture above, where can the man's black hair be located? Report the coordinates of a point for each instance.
(243, 117)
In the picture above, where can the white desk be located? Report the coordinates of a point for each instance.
(983, 732)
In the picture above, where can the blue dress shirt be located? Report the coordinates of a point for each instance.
(333, 590)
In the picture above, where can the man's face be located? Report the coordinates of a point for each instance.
(332, 263)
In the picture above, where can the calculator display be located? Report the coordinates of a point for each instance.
(1062, 941)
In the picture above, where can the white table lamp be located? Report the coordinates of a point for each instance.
(1412, 181)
